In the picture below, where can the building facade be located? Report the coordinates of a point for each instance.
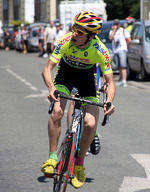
(145, 10)
(28, 10)
(46, 10)
(12, 10)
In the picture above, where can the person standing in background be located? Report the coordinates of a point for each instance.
(120, 40)
(40, 34)
(7, 40)
(1, 36)
(69, 28)
(48, 39)
(130, 21)
(24, 36)
(62, 28)
(57, 35)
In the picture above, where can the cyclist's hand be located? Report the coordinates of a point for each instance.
(105, 86)
(110, 110)
(51, 96)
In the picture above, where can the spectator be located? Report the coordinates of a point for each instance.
(7, 40)
(1, 43)
(1, 39)
(130, 21)
(24, 36)
(57, 35)
(40, 34)
(1, 36)
(69, 28)
(62, 28)
(120, 40)
(48, 38)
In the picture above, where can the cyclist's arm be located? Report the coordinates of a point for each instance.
(110, 92)
(46, 73)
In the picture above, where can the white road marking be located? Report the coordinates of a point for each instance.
(135, 184)
(22, 80)
(43, 94)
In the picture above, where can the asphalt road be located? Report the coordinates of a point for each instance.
(123, 164)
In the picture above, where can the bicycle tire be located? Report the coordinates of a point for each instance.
(61, 153)
(60, 165)
(71, 159)
(67, 164)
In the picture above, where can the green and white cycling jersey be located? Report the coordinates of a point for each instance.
(83, 59)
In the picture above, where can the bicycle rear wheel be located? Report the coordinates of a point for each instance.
(65, 164)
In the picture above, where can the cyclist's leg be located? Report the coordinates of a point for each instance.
(90, 125)
(88, 90)
(54, 124)
(54, 128)
(95, 145)
(62, 84)
(69, 113)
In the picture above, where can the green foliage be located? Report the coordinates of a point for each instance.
(27, 23)
(122, 8)
(18, 23)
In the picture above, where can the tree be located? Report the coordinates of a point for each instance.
(122, 8)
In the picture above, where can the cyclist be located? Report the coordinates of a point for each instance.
(77, 54)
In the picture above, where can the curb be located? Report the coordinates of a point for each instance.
(139, 85)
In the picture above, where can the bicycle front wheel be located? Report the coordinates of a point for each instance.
(66, 164)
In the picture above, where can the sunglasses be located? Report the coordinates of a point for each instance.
(78, 31)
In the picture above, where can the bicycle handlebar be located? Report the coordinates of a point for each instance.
(82, 100)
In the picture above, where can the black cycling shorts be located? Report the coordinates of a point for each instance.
(84, 80)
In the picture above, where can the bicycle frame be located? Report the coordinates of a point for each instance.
(75, 128)
(67, 154)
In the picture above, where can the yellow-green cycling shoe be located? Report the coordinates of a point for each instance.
(79, 178)
(49, 166)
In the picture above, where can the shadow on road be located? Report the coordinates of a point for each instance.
(89, 180)
(42, 179)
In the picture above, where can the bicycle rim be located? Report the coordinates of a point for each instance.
(60, 165)
(71, 161)
(66, 165)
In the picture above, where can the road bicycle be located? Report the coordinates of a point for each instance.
(70, 145)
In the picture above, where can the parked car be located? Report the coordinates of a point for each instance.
(36, 24)
(104, 37)
(33, 41)
(138, 56)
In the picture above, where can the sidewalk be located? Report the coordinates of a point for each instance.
(140, 85)
(137, 83)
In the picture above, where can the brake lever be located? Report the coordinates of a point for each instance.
(102, 88)
(53, 102)
(106, 117)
